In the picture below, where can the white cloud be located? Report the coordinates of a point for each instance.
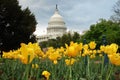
(78, 14)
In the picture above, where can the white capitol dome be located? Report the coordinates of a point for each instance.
(56, 27)
(56, 24)
(56, 18)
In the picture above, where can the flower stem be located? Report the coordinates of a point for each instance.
(111, 69)
(102, 66)
(70, 76)
(88, 67)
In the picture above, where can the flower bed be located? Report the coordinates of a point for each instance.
(75, 62)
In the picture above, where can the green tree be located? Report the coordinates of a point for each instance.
(66, 38)
(76, 37)
(43, 44)
(103, 27)
(16, 25)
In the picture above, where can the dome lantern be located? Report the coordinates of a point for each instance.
(56, 10)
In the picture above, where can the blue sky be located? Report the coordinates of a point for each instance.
(77, 14)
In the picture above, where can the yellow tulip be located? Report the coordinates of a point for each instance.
(35, 66)
(102, 48)
(85, 47)
(92, 45)
(46, 74)
(55, 61)
(72, 50)
(70, 61)
(115, 58)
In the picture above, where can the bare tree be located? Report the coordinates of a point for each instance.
(116, 16)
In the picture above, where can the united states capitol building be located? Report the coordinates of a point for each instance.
(56, 27)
